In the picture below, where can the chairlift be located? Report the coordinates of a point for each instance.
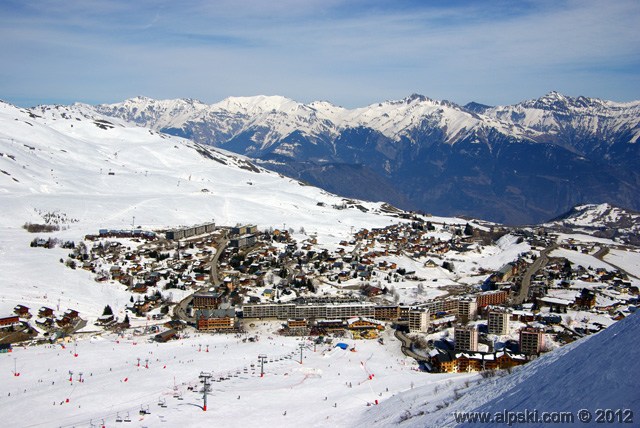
(127, 418)
(118, 417)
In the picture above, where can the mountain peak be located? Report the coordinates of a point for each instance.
(476, 107)
(415, 97)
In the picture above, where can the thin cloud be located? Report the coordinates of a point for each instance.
(351, 53)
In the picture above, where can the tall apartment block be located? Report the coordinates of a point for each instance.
(498, 322)
(467, 309)
(531, 340)
(466, 338)
(418, 320)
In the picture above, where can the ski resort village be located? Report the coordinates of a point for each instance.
(400, 277)
(151, 281)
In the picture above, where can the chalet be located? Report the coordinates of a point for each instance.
(359, 323)
(22, 311)
(72, 314)
(443, 361)
(555, 304)
(586, 299)
(523, 316)
(141, 307)
(166, 336)
(116, 272)
(8, 322)
(45, 322)
(175, 325)
(459, 362)
(140, 287)
(68, 318)
(65, 321)
(430, 264)
(371, 291)
(105, 319)
(216, 319)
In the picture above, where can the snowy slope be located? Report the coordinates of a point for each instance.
(69, 152)
(592, 373)
(604, 220)
(59, 159)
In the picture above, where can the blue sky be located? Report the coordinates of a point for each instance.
(351, 53)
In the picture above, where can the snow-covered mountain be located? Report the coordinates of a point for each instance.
(602, 220)
(85, 171)
(73, 151)
(592, 127)
(556, 114)
(591, 374)
(269, 119)
(516, 164)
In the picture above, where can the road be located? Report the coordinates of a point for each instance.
(180, 310)
(526, 278)
(601, 253)
(406, 347)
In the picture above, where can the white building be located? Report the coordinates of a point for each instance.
(418, 320)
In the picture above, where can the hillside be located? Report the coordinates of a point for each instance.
(513, 164)
(80, 171)
(82, 156)
(602, 220)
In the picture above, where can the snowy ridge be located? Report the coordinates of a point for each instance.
(554, 111)
(568, 379)
(281, 116)
(604, 217)
(410, 151)
(76, 153)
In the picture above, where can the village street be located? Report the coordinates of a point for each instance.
(180, 310)
(526, 278)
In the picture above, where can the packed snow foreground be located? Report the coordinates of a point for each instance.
(68, 167)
